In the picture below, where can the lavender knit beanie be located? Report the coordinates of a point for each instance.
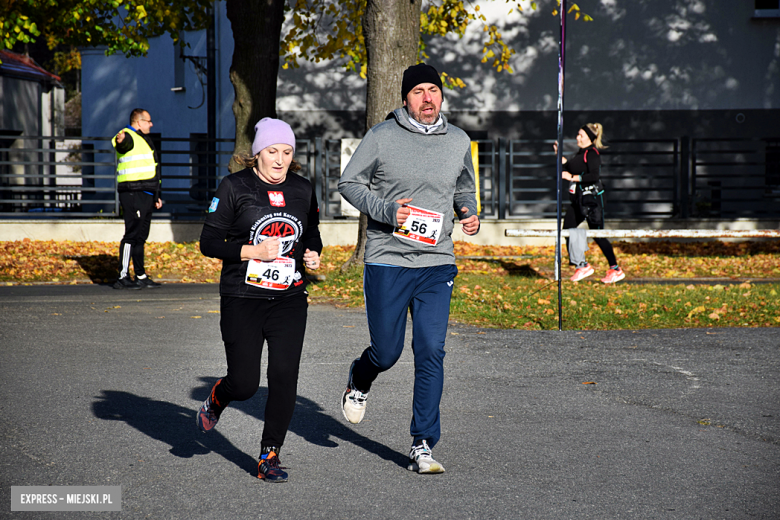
(270, 131)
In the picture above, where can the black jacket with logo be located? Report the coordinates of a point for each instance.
(246, 210)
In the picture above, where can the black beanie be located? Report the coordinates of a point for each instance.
(416, 74)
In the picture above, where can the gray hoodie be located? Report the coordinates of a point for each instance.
(396, 160)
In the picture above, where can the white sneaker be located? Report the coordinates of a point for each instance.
(421, 460)
(353, 401)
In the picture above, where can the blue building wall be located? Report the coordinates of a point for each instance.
(112, 86)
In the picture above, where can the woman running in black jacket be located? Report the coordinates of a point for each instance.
(586, 194)
(263, 224)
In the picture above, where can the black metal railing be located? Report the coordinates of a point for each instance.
(644, 178)
(734, 178)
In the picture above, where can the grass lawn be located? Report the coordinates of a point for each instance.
(504, 287)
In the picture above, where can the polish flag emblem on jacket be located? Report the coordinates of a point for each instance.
(276, 198)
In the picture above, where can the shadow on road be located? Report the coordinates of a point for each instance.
(309, 421)
(171, 424)
(175, 425)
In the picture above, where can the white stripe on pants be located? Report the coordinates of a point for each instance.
(125, 270)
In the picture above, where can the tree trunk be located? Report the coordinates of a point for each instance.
(391, 29)
(257, 27)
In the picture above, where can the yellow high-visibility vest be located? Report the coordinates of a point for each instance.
(137, 164)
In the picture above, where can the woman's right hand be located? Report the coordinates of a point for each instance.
(555, 147)
(267, 250)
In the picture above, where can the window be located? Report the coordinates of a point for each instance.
(772, 167)
(767, 9)
(178, 69)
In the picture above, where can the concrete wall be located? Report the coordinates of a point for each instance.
(645, 68)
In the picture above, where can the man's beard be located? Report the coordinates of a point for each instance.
(425, 120)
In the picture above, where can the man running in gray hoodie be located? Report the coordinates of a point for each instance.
(408, 175)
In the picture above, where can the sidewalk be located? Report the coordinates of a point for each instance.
(100, 387)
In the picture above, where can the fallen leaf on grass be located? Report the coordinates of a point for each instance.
(696, 310)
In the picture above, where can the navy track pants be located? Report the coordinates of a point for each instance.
(426, 293)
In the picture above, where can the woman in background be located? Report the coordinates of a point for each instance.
(586, 194)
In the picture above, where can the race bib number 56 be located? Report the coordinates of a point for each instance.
(423, 226)
(276, 275)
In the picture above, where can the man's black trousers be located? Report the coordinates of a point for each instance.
(137, 207)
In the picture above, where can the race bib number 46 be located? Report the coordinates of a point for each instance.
(276, 275)
(422, 226)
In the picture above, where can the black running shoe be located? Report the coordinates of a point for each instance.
(148, 283)
(268, 467)
(127, 283)
(209, 412)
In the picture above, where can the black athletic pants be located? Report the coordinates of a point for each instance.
(594, 214)
(246, 323)
(137, 208)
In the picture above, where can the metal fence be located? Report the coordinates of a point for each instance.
(671, 178)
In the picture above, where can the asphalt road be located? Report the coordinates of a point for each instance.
(100, 387)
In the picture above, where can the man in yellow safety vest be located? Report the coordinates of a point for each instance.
(138, 184)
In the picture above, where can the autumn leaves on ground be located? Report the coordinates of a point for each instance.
(498, 286)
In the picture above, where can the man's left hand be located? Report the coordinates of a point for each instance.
(470, 224)
(158, 204)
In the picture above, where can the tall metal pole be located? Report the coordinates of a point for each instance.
(211, 102)
(559, 158)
